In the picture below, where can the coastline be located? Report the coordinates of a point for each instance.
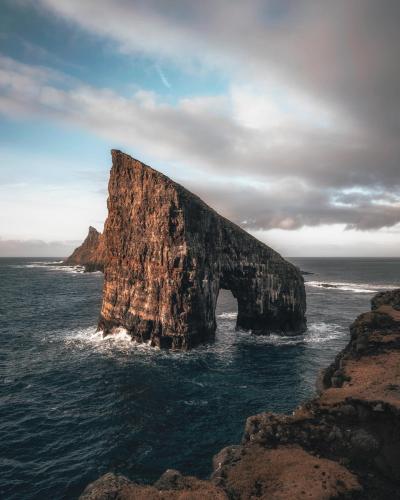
(344, 443)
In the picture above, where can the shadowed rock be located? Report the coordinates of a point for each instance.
(169, 254)
(91, 254)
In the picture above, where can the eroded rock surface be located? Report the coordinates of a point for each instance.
(91, 254)
(168, 255)
(283, 473)
(345, 443)
(171, 486)
(356, 418)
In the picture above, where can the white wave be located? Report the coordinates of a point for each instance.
(200, 384)
(227, 315)
(68, 269)
(323, 332)
(350, 287)
(53, 266)
(316, 333)
(274, 339)
(118, 342)
(195, 402)
(47, 262)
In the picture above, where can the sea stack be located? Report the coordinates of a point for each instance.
(91, 254)
(167, 256)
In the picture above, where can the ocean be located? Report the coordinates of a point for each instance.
(74, 405)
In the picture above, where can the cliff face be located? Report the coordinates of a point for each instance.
(345, 443)
(355, 421)
(168, 255)
(91, 254)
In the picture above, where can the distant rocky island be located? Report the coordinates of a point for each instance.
(91, 254)
(345, 443)
(165, 256)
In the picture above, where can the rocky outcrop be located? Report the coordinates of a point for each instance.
(168, 255)
(345, 443)
(91, 254)
(390, 298)
(171, 486)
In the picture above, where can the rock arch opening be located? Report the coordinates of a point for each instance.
(226, 308)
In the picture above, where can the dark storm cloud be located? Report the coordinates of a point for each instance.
(344, 54)
(344, 51)
(292, 205)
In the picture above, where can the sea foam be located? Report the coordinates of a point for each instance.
(349, 287)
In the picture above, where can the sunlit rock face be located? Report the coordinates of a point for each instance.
(168, 255)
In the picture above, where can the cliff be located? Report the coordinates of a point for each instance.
(168, 255)
(91, 254)
(345, 443)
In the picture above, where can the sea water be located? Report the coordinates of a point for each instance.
(74, 405)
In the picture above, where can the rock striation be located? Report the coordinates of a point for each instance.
(168, 255)
(91, 254)
(345, 443)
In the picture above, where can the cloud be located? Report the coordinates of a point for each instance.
(288, 172)
(343, 52)
(341, 55)
(290, 205)
(231, 135)
(330, 240)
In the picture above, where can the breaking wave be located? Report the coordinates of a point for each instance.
(227, 315)
(350, 287)
(116, 343)
(56, 265)
(228, 339)
(316, 333)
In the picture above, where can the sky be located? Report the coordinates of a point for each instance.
(283, 115)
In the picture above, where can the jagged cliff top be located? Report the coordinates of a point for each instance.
(90, 254)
